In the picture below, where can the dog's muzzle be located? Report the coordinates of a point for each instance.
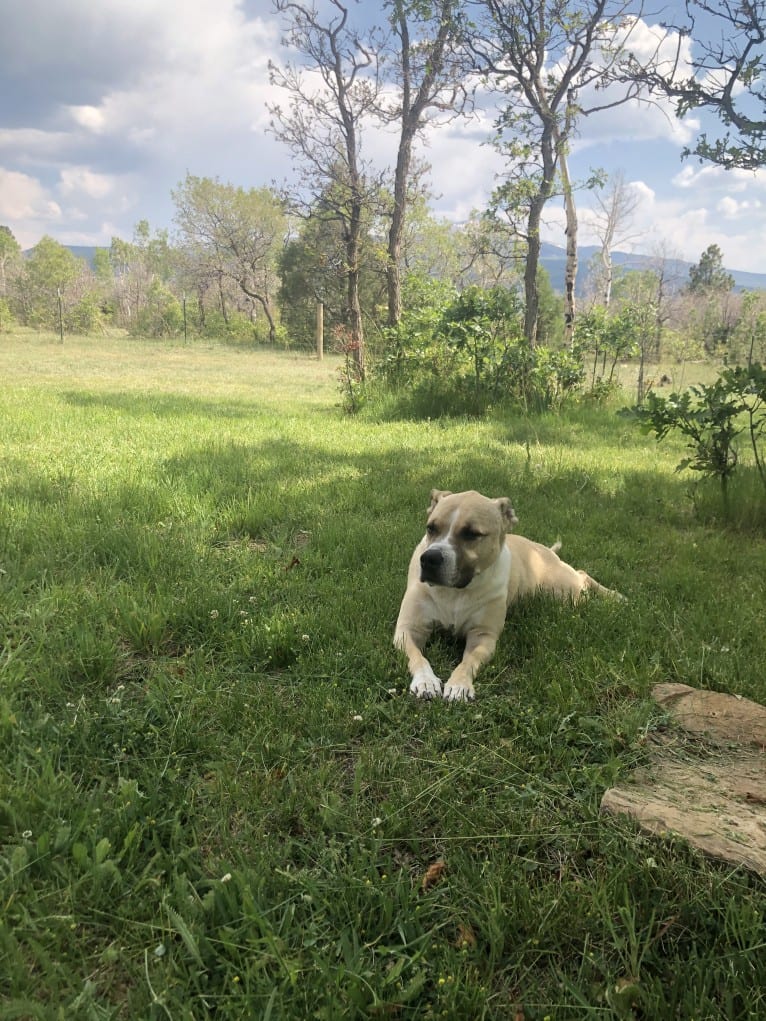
(432, 566)
(438, 566)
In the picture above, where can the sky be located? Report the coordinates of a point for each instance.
(105, 107)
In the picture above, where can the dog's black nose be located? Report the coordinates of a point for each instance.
(431, 559)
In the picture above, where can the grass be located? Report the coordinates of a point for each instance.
(217, 798)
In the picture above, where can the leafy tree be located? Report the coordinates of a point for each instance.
(428, 67)
(228, 233)
(311, 270)
(727, 65)
(708, 274)
(544, 54)
(51, 272)
(162, 315)
(748, 340)
(431, 247)
(135, 265)
(10, 256)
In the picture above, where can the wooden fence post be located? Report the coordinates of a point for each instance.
(320, 330)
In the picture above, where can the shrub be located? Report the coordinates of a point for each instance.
(711, 418)
(7, 321)
(464, 352)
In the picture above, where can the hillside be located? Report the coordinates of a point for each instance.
(554, 260)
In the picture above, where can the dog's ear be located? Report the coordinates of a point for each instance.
(509, 514)
(436, 495)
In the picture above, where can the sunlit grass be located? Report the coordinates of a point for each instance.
(216, 797)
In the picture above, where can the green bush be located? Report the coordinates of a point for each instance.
(465, 352)
(7, 321)
(711, 418)
(162, 316)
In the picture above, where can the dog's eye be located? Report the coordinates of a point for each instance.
(431, 528)
(469, 533)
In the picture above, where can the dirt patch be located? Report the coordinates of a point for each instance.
(711, 792)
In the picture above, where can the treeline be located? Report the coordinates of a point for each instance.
(397, 285)
(240, 271)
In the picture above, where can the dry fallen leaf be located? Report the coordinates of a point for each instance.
(434, 874)
(466, 937)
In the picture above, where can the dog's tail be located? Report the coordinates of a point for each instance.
(556, 546)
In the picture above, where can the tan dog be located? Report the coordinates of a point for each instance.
(464, 574)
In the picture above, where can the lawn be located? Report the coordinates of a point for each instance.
(218, 799)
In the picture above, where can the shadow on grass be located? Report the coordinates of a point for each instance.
(162, 405)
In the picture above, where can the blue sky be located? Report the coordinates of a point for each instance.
(104, 107)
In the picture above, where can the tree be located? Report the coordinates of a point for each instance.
(311, 270)
(10, 255)
(611, 224)
(427, 69)
(50, 274)
(229, 233)
(708, 274)
(329, 97)
(727, 65)
(543, 55)
(709, 308)
(135, 266)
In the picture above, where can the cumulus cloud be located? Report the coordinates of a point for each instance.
(104, 107)
(24, 200)
(82, 181)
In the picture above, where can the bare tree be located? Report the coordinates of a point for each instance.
(428, 69)
(544, 55)
(611, 222)
(725, 74)
(330, 94)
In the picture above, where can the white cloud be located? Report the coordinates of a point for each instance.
(82, 181)
(23, 197)
(732, 209)
(88, 117)
(114, 102)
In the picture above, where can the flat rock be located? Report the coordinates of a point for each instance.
(712, 794)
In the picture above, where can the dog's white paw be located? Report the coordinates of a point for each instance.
(425, 684)
(458, 692)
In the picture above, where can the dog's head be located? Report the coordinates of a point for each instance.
(465, 535)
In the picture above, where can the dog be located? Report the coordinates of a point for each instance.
(464, 574)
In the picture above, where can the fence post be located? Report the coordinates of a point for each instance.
(320, 330)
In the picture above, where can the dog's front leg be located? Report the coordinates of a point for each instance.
(479, 647)
(425, 683)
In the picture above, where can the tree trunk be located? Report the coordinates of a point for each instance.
(606, 262)
(396, 231)
(536, 206)
(570, 273)
(531, 297)
(355, 320)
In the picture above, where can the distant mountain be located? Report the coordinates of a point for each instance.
(553, 259)
(87, 252)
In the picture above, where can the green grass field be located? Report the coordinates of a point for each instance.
(217, 798)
